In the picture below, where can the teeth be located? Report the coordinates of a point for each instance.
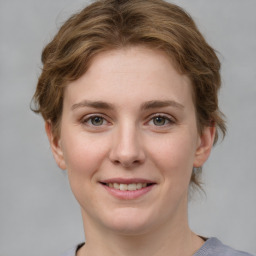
(132, 187)
(139, 186)
(125, 187)
(116, 186)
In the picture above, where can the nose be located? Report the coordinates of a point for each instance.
(127, 149)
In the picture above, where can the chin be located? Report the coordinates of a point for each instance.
(130, 229)
(130, 222)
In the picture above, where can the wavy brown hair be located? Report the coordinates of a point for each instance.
(111, 24)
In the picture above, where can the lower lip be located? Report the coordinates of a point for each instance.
(127, 194)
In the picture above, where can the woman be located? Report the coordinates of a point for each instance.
(128, 92)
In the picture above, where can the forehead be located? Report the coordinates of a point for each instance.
(136, 60)
(131, 71)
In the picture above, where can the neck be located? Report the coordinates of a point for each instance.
(172, 239)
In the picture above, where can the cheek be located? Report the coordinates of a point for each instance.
(174, 155)
(83, 154)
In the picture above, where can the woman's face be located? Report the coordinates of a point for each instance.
(129, 141)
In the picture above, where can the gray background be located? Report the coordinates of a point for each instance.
(38, 214)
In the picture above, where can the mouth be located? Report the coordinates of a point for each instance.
(127, 187)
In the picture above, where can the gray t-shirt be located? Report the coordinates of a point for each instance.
(212, 247)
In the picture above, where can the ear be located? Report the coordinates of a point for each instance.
(55, 146)
(205, 144)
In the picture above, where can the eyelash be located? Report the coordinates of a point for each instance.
(88, 120)
(167, 120)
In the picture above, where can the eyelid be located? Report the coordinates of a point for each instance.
(84, 120)
(168, 117)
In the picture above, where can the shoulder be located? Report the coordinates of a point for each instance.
(214, 247)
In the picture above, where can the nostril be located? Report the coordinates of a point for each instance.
(116, 162)
(126, 164)
(127, 158)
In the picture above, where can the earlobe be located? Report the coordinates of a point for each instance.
(55, 146)
(205, 145)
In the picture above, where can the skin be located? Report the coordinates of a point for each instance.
(129, 137)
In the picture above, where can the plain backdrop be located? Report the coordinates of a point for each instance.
(38, 214)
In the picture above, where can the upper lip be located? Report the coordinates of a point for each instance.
(127, 181)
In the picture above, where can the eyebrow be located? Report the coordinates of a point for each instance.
(161, 104)
(145, 106)
(92, 104)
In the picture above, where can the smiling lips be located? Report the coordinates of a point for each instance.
(127, 189)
